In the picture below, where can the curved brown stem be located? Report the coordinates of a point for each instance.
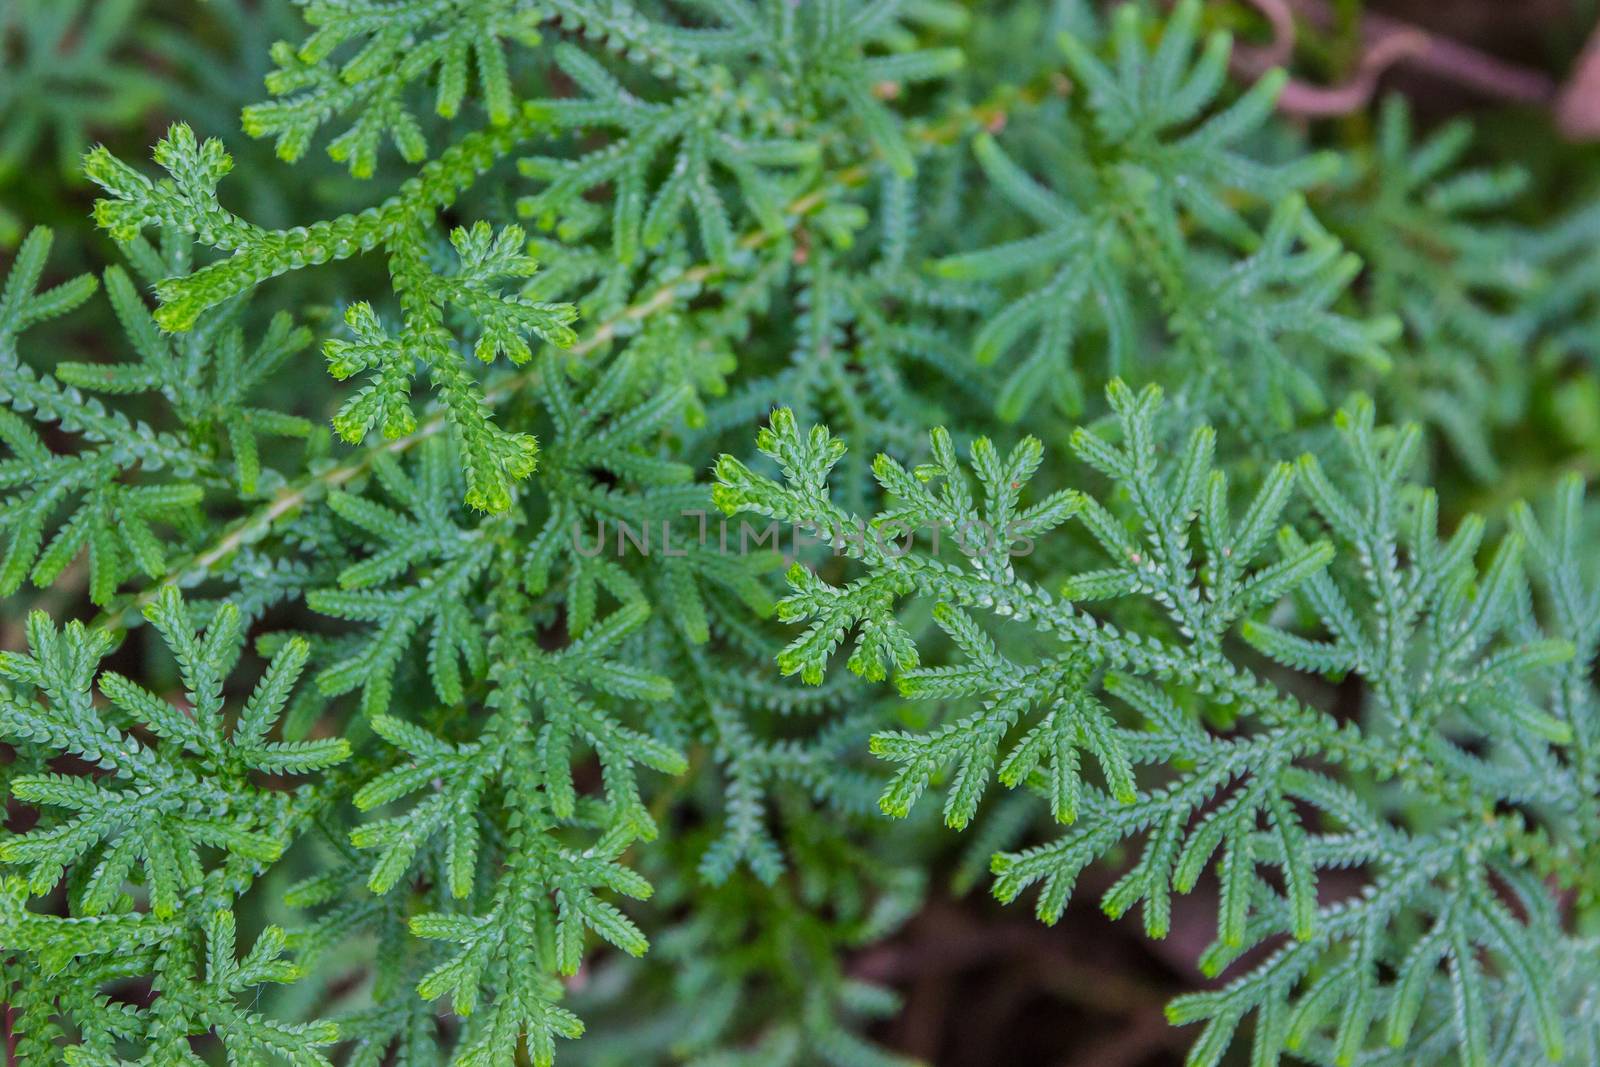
(1578, 109)
(1314, 101)
(1281, 49)
(1388, 42)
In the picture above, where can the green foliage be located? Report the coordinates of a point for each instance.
(147, 820)
(492, 457)
(1130, 188)
(110, 518)
(382, 50)
(1151, 463)
(63, 71)
(1454, 664)
(1453, 280)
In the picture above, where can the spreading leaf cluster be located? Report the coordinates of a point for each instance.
(533, 539)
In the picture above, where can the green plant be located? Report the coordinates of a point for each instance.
(1460, 677)
(1239, 642)
(59, 74)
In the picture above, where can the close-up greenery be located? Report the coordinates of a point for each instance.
(616, 532)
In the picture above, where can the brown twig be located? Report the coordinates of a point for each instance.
(1276, 54)
(1578, 109)
(1386, 42)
